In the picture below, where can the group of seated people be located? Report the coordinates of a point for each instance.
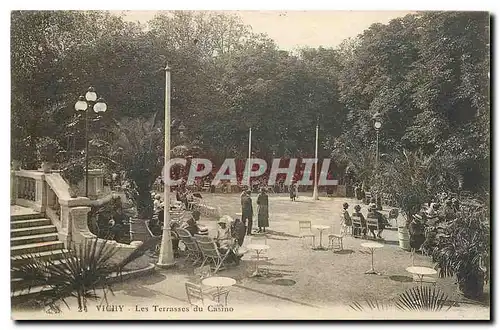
(429, 220)
(361, 229)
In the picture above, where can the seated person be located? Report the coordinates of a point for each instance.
(373, 213)
(157, 204)
(417, 232)
(226, 242)
(357, 231)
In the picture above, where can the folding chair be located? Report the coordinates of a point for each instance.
(336, 238)
(156, 249)
(192, 249)
(196, 296)
(305, 230)
(211, 253)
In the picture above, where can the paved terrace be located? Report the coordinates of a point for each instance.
(301, 283)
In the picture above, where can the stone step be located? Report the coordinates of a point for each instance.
(30, 223)
(35, 248)
(37, 238)
(27, 216)
(43, 256)
(19, 284)
(36, 230)
(24, 293)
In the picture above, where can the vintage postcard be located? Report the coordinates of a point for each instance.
(250, 165)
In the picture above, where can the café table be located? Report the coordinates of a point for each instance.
(219, 282)
(258, 248)
(372, 246)
(321, 228)
(421, 272)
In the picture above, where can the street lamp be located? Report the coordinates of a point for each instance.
(166, 258)
(377, 124)
(315, 189)
(84, 102)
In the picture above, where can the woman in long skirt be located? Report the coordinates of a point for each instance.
(263, 210)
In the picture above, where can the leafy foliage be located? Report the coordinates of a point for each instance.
(426, 73)
(464, 249)
(138, 148)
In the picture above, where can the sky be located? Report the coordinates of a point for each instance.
(293, 29)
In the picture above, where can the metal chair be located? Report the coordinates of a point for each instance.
(196, 296)
(214, 293)
(260, 238)
(336, 238)
(305, 230)
(372, 225)
(357, 226)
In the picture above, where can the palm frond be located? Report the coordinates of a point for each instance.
(422, 298)
(370, 305)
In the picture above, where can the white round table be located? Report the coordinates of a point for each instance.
(219, 282)
(372, 246)
(321, 228)
(421, 271)
(258, 248)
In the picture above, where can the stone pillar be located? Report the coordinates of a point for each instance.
(96, 183)
(13, 188)
(78, 224)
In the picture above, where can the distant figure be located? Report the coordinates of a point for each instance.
(263, 210)
(346, 218)
(293, 192)
(247, 210)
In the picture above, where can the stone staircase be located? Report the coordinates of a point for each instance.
(31, 234)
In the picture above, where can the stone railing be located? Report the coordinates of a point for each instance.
(48, 194)
(28, 189)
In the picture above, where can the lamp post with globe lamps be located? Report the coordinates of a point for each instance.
(90, 100)
(377, 124)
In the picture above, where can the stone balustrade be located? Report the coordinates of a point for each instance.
(48, 193)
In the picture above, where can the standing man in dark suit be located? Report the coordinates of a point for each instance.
(247, 210)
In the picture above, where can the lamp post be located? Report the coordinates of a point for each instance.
(315, 190)
(166, 258)
(377, 124)
(249, 167)
(83, 104)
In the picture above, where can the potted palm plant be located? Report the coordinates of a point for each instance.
(463, 250)
(47, 149)
(405, 179)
